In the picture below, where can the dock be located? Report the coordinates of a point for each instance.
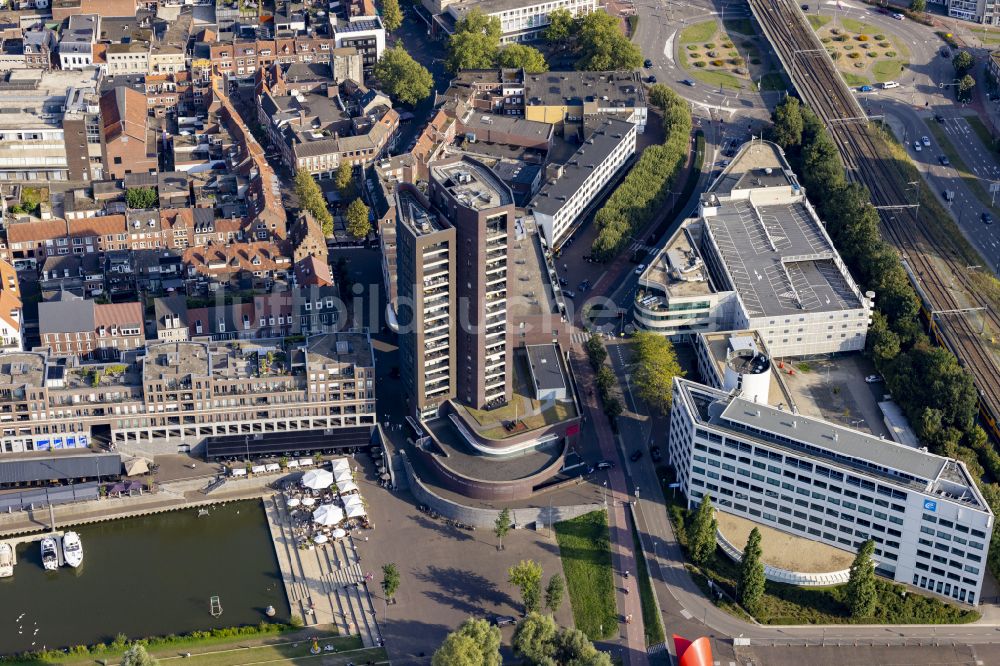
(35, 538)
(324, 585)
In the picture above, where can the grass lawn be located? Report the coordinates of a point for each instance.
(853, 79)
(773, 81)
(741, 25)
(817, 21)
(717, 79)
(983, 132)
(788, 604)
(859, 26)
(699, 33)
(585, 549)
(652, 621)
(298, 654)
(887, 70)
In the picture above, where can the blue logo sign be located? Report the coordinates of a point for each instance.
(930, 505)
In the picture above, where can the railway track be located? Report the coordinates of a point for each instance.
(816, 78)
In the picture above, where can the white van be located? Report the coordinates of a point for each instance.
(889, 85)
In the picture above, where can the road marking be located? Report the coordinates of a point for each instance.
(685, 614)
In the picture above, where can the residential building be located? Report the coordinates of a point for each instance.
(364, 33)
(39, 45)
(12, 53)
(170, 319)
(426, 318)
(129, 144)
(180, 393)
(574, 186)
(481, 209)
(756, 258)
(76, 43)
(130, 57)
(520, 20)
(49, 125)
(11, 319)
(977, 11)
(168, 53)
(91, 330)
(826, 482)
(242, 58)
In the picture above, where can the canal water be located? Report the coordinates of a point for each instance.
(146, 576)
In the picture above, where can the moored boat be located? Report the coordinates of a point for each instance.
(72, 549)
(50, 558)
(6, 560)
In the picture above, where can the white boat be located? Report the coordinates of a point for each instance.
(6, 560)
(72, 549)
(50, 558)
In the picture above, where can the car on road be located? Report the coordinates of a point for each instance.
(917, 147)
(898, 16)
(889, 85)
(943, 159)
(986, 217)
(655, 454)
(639, 269)
(949, 195)
(563, 282)
(873, 379)
(938, 117)
(648, 63)
(569, 294)
(635, 455)
(688, 82)
(925, 140)
(605, 464)
(865, 89)
(503, 620)
(651, 79)
(805, 8)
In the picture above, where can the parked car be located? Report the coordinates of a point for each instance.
(655, 454)
(938, 117)
(898, 16)
(925, 140)
(503, 620)
(986, 217)
(917, 147)
(635, 455)
(873, 379)
(865, 89)
(639, 269)
(943, 159)
(651, 79)
(805, 8)
(605, 464)
(889, 85)
(688, 82)
(648, 63)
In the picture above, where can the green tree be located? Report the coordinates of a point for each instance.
(701, 532)
(527, 577)
(475, 643)
(965, 86)
(311, 199)
(654, 369)
(918, 5)
(752, 573)
(502, 526)
(962, 62)
(788, 124)
(603, 47)
(575, 649)
(403, 77)
(392, 15)
(358, 224)
(561, 26)
(519, 56)
(661, 96)
(136, 655)
(343, 178)
(141, 197)
(534, 638)
(390, 581)
(554, 593)
(475, 42)
(862, 592)
(595, 351)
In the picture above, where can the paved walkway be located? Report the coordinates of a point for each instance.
(622, 557)
(324, 585)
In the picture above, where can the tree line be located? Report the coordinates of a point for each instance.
(641, 195)
(943, 412)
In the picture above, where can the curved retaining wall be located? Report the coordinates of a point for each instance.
(779, 575)
(486, 518)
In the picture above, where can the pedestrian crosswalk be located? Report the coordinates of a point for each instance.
(636, 246)
(580, 337)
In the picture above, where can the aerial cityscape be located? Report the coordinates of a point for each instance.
(481, 332)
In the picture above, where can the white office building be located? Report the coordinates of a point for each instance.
(520, 20)
(574, 185)
(757, 257)
(832, 484)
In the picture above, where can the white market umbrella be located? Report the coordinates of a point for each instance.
(317, 479)
(308, 501)
(356, 511)
(294, 502)
(338, 464)
(328, 514)
(346, 486)
(353, 500)
(339, 533)
(320, 538)
(342, 475)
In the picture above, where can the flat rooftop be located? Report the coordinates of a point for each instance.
(546, 366)
(412, 213)
(22, 368)
(679, 269)
(591, 154)
(176, 360)
(758, 164)
(529, 288)
(718, 347)
(464, 460)
(783, 550)
(829, 443)
(339, 349)
(779, 260)
(472, 184)
(605, 89)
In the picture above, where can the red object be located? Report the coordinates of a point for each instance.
(572, 430)
(693, 653)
